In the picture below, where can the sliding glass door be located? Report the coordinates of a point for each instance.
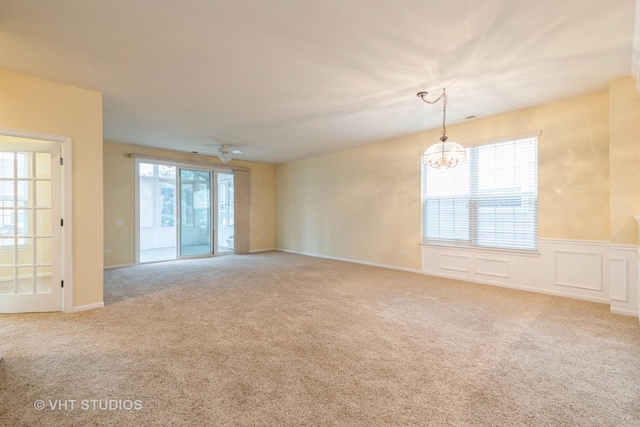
(183, 212)
(195, 212)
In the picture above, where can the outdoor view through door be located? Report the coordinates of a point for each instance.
(174, 224)
(195, 212)
(225, 211)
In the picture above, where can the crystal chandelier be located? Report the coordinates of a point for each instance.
(442, 154)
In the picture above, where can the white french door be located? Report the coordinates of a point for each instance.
(30, 227)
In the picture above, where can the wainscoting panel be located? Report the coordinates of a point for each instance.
(619, 279)
(496, 267)
(590, 270)
(623, 277)
(454, 262)
(581, 270)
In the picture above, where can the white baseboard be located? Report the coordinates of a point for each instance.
(451, 276)
(88, 307)
(623, 312)
(523, 288)
(110, 267)
(355, 261)
(595, 271)
(255, 251)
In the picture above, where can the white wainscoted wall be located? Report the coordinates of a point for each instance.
(588, 270)
(624, 279)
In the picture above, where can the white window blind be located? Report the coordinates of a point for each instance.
(490, 201)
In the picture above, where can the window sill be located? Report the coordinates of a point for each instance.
(531, 254)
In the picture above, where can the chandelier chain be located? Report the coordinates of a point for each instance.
(444, 109)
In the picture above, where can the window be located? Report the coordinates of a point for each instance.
(16, 197)
(489, 201)
(225, 201)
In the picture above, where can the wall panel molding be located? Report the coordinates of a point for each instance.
(454, 262)
(619, 279)
(576, 269)
(497, 267)
(582, 269)
(624, 279)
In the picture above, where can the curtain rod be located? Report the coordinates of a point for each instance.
(188, 162)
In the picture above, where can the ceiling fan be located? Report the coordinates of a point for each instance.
(224, 152)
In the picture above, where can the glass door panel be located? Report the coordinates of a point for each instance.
(195, 212)
(157, 212)
(224, 196)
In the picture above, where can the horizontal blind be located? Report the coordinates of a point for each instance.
(491, 200)
(445, 203)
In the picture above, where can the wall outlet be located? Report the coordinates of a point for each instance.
(403, 251)
(120, 222)
(107, 251)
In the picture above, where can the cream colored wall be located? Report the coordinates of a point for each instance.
(119, 203)
(36, 105)
(364, 203)
(119, 197)
(624, 134)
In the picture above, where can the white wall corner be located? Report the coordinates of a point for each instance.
(624, 279)
(624, 260)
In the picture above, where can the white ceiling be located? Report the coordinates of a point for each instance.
(288, 79)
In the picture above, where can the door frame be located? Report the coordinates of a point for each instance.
(66, 207)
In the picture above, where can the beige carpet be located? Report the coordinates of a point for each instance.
(281, 339)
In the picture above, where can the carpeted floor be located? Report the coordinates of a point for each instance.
(281, 339)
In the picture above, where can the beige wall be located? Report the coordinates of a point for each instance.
(624, 134)
(364, 203)
(119, 198)
(34, 105)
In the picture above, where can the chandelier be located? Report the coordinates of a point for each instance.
(442, 154)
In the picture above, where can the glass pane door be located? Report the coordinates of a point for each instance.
(195, 212)
(224, 215)
(30, 227)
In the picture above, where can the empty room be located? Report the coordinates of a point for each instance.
(367, 213)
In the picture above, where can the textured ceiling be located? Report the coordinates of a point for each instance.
(285, 79)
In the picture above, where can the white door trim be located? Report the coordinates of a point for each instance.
(66, 208)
